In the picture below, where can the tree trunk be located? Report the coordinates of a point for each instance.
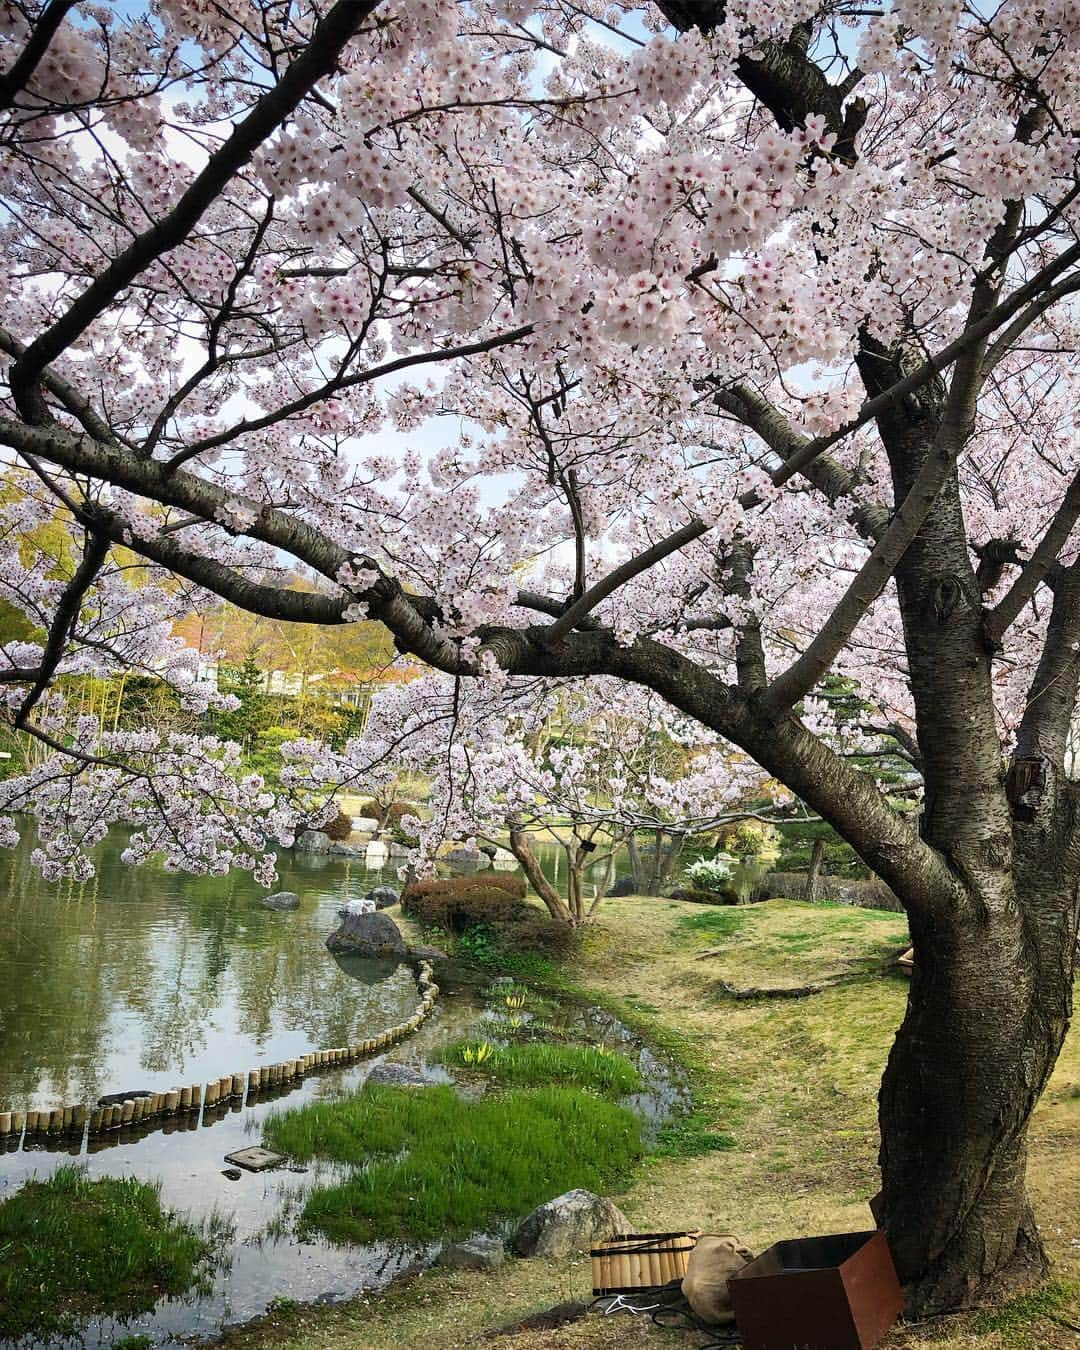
(817, 857)
(637, 866)
(522, 851)
(989, 1006)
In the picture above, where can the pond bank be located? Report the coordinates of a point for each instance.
(782, 1141)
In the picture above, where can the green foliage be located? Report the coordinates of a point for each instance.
(439, 1165)
(749, 839)
(140, 1342)
(72, 1248)
(711, 874)
(477, 944)
(392, 814)
(244, 723)
(534, 1062)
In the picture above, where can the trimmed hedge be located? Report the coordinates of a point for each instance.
(339, 828)
(458, 903)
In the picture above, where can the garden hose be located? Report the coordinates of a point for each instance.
(667, 1307)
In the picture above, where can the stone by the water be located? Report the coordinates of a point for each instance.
(353, 907)
(313, 841)
(423, 952)
(119, 1098)
(400, 1075)
(475, 1253)
(281, 900)
(382, 897)
(233, 1173)
(572, 1222)
(374, 934)
(255, 1159)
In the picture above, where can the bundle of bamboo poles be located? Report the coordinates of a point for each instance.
(147, 1109)
(631, 1262)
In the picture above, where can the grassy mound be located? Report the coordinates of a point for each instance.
(440, 1166)
(534, 1062)
(71, 1248)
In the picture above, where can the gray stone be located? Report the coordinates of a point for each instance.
(365, 824)
(281, 900)
(623, 886)
(398, 850)
(367, 935)
(233, 1173)
(255, 1159)
(475, 1253)
(382, 897)
(313, 841)
(351, 907)
(570, 1223)
(466, 857)
(342, 850)
(422, 952)
(400, 1075)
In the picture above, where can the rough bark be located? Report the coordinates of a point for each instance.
(522, 851)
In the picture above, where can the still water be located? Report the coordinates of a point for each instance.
(141, 979)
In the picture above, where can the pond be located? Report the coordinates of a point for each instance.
(143, 980)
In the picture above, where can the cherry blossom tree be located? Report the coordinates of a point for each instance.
(751, 329)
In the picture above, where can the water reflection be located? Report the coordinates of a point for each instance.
(138, 973)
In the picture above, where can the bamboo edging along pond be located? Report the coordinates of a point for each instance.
(184, 1108)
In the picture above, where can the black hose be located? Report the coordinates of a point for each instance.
(667, 1306)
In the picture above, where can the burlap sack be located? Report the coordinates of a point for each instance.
(705, 1285)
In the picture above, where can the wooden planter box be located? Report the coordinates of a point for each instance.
(821, 1293)
(631, 1262)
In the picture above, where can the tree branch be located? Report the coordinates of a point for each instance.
(317, 59)
(15, 80)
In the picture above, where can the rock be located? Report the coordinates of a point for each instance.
(313, 841)
(466, 857)
(400, 1075)
(382, 897)
(353, 907)
(233, 1173)
(342, 850)
(119, 1098)
(570, 1223)
(504, 860)
(422, 952)
(399, 850)
(367, 935)
(475, 1253)
(365, 824)
(623, 886)
(281, 900)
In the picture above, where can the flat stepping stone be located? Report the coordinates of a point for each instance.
(255, 1159)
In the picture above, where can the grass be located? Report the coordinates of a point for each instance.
(71, 1248)
(435, 1165)
(531, 1063)
(791, 1083)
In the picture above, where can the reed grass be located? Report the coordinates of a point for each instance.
(71, 1248)
(431, 1164)
(532, 1063)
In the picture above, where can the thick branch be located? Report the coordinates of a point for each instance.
(13, 81)
(618, 576)
(1036, 569)
(869, 582)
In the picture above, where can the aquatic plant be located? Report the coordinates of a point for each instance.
(73, 1248)
(531, 1063)
(439, 1165)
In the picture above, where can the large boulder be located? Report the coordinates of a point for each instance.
(573, 1222)
(622, 886)
(372, 934)
(313, 841)
(343, 850)
(382, 897)
(281, 900)
(353, 907)
(365, 824)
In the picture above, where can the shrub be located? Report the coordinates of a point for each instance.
(389, 817)
(710, 874)
(460, 903)
(749, 839)
(339, 828)
(539, 933)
